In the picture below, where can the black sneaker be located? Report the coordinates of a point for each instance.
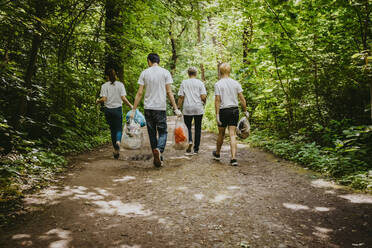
(116, 155)
(157, 157)
(216, 156)
(195, 153)
(233, 162)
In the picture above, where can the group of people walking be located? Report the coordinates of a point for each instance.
(155, 83)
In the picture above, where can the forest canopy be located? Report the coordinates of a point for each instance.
(305, 68)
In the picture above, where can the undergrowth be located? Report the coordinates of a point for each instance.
(348, 160)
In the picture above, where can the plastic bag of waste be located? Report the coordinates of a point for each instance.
(138, 117)
(244, 128)
(180, 139)
(132, 135)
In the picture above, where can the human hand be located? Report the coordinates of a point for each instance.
(98, 101)
(178, 112)
(132, 114)
(219, 123)
(246, 113)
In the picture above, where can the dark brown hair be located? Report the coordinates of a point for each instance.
(192, 71)
(111, 73)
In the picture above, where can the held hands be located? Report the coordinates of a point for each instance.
(246, 113)
(132, 114)
(219, 123)
(178, 112)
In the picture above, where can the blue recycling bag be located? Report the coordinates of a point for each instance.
(138, 118)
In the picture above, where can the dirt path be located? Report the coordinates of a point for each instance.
(195, 202)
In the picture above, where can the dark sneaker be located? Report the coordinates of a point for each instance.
(117, 146)
(216, 156)
(233, 162)
(188, 150)
(157, 159)
(195, 153)
(116, 155)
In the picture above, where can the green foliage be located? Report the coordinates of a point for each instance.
(209, 119)
(335, 162)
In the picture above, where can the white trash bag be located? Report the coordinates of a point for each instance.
(132, 135)
(244, 128)
(180, 138)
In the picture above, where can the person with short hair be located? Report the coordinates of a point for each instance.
(192, 95)
(113, 95)
(227, 91)
(156, 81)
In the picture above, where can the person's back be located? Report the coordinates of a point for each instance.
(154, 79)
(192, 89)
(228, 89)
(113, 92)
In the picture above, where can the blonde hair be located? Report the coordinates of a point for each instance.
(225, 69)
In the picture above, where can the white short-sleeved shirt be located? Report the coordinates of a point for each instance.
(154, 79)
(228, 89)
(191, 89)
(113, 92)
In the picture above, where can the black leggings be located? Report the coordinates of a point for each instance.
(198, 124)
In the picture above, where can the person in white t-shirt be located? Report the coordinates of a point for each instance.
(113, 95)
(156, 81)
(192, 95)
(227, 91)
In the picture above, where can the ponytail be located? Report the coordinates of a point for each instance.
(112, 75)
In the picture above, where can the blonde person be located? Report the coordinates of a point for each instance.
(156, 81)
(227, 91)
(192, 95)
(113, 95)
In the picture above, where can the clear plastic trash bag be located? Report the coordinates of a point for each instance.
(138, 117)
(244, 128)
(132, 135)
(180, 139)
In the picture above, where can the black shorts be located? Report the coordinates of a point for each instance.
(229, 116)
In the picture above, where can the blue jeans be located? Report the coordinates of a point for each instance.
(198, 124)
(114, 118)
(156, 121)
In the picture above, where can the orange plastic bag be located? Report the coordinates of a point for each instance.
(180, 140)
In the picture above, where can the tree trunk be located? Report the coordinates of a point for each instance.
(174, 53)
(114, 45)
(202, 72)
(247, 39)
(214, 41)
(39, 6)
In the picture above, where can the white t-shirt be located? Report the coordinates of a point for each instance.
(191, 89)
(113, 92)
(228, 89)
(154, 79)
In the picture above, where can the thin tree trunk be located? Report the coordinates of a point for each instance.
(174, 53)
(214, 41)
(201, 51)
(31, 66)
(247, 39)
(114, 46)
(288, 100)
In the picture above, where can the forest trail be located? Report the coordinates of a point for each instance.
(197, 202)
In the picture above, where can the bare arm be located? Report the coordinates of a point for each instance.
(242, 102)
(180, 101)
(125, 100)
(138, 97)
(203, 98)
(101, 100)
(217, 103)
(170, 96)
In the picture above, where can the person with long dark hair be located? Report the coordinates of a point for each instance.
(113, 95)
